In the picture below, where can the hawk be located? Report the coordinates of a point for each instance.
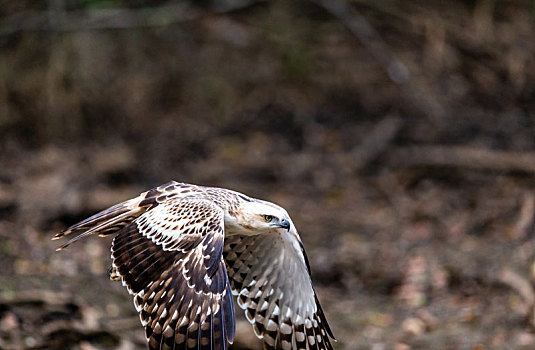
(182, 250)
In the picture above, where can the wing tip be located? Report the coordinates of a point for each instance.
(60, 248)
(58, 235)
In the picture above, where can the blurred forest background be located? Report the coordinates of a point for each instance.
(400, 136)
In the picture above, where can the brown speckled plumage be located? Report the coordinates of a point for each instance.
(181, 250)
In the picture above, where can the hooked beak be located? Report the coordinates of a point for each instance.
(284, 224)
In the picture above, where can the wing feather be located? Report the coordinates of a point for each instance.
(177, 275)
(115, 218)
(272, 281)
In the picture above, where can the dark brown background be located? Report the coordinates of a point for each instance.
(398, 135)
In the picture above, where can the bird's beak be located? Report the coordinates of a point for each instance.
(284, 224)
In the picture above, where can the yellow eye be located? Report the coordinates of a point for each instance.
(268, 218)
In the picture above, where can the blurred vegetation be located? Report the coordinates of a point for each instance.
(399, 135)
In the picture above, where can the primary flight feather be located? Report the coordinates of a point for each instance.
(181, 250)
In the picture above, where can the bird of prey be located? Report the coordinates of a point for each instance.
(181, 250)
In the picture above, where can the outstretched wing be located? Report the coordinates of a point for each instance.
(115, 218)
(170, 259)
(270, 274)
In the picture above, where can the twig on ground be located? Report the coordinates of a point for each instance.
(519, 284)
(36, 296)
(523, 287)
(463, 157)
(525, 216)
(121, 324)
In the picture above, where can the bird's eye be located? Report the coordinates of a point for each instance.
(268, 218)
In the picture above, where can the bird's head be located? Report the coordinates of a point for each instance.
(262, 216)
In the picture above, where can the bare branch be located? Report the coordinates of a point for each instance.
(525, 216)
(115, 18)
(375, 142)
(397, 71)
(368, 36)
(463, 157)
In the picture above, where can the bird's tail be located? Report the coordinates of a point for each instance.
(110, 220)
